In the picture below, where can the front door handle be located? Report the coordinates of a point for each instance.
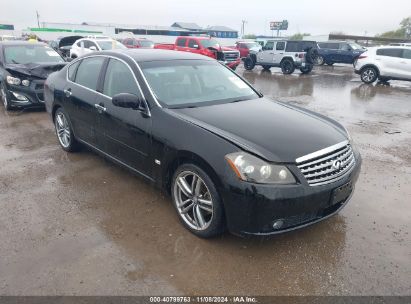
(100, 108)
(67, 92)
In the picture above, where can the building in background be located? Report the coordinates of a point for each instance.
(221, 31)
(187, 26)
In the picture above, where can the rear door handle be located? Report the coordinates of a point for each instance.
(100, 108)
(67, 92)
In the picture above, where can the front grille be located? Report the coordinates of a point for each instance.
(39, 86)
(327, 165)
(231, 56)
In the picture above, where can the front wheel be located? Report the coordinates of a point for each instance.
(369, 75)
(287, 67)
(64, 131)
(306, 69)
(5, 97)
(197, 201)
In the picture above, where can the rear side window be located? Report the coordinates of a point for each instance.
(88, 72)
(119, 79)
(181, 42)
(293, 46)
(406, 54)
(72, 70)
(280, 46)
(390, 52)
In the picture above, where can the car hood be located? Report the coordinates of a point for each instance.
(274, 131)
(38, 70)
(227, 49)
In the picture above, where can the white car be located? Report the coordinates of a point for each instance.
(384, 63)
(88, 45)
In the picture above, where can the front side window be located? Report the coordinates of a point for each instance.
(269, 46)
(192, 43)
(187, 83)
(119, 79)
(30, 54)
(88, 72)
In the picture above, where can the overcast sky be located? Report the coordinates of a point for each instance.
(312, 16)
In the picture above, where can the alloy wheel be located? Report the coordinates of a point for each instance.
(63, 130)
(368, 75)
(193, 200)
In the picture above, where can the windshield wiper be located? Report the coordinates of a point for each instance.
(14, 61)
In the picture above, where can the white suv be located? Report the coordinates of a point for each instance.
(384, 63)
(87, 45)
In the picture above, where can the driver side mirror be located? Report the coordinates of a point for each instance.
(92, 48)
(127, 100)
(196, 46)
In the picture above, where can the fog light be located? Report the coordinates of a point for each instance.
(20, 97)
(25, 82)
(278, 224)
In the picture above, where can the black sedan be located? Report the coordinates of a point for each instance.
(229, 157)
(24, 67)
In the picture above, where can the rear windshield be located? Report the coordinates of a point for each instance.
(30, 53)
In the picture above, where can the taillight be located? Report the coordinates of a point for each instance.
(299, 55)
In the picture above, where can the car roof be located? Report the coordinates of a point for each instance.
(143, 55)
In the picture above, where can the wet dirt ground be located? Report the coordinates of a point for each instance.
(76, 224)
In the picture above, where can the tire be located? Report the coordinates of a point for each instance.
(64, 131)
(311, 55)
(320, 60)
(307, 69)
(5, 97)
(205, 220)
(330, 63)
(249, 63)
(369, 74)
(266, 67)
(287, 66)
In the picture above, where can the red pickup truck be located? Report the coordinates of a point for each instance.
(205, 46)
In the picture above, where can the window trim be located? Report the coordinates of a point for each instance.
(103, 73)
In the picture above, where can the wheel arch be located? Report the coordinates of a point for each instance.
(188, 157)
(287, 58)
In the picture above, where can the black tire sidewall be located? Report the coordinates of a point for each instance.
(249, 63)
(8, 107)
(283, 65)
(74, 145)
(217, 225)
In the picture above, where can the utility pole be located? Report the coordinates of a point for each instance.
(243, 22)
(38, 19)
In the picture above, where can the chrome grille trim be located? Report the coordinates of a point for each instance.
(318, 169)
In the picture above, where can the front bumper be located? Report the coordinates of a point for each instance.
(252, 209)
(34, 94)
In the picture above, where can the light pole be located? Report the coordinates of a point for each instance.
(243, 22)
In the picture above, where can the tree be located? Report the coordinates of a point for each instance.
(249, 36)
(299, 36)
(398, 33)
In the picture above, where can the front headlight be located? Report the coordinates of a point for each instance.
(253, 169)
(13, 80)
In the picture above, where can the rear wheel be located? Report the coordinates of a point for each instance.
(330, 63)
(287, 66)
(306, 69)
(369, 75)
(5, 97)
(197, 201)
(64, 131)
(320, 60)
(249, 63)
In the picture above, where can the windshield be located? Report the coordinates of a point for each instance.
(251, 45)
(210, 43)
(110, 45)
(30, 53)
(355, 46)
(192, 83)
(147, 43)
